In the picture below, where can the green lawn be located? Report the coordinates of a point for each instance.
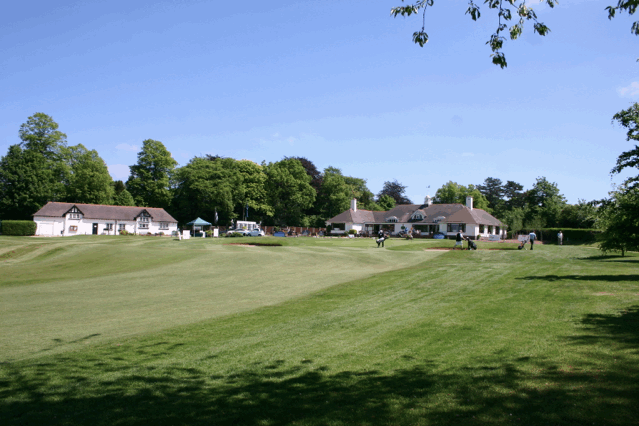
(133, 331)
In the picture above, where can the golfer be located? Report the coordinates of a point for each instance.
(459, 240)
(532, 237)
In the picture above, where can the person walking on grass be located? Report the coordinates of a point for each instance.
(459, 240)
(532, 237)
(560, 238)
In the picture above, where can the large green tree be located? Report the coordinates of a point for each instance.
(334, 195)
(290, 192)
(204, 188)
(580, 215)
(359, 190)
(544, 203)
(396, 191)
(454, 193)
(629, 118)
(253, 194)
(493, 190)
(87, 179)
(32, 173)
(150, 179)
(121, 196)
(386, 203)
(40, 134)
(619, 220)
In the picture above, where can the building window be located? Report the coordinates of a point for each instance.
(490, 229)
(392, 219)
(121, 227)
(144, 226)
(164, 225)
(497, 230)
(481, 229)
(75, 216)
(456, 227)
(144, 219)
(339, 226)
(108, 227)
(73, 228)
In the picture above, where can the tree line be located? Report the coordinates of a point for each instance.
(542, 206)
(292, 191)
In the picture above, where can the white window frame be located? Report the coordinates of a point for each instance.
(144, 226)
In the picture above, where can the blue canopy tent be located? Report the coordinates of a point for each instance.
(197, 224)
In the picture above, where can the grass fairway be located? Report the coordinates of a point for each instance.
(317, 332)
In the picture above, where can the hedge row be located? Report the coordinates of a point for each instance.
(571, 235)
(18, 227)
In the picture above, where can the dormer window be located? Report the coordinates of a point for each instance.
(74, 214)
(392, 219)
(145, 217)
(417, 216)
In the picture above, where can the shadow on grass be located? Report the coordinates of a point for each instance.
(611, 258)
(622, 328)
(526, 391)
(609, 278)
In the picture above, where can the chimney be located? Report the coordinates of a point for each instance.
(354, 204)
(428, 201)
(469, 202)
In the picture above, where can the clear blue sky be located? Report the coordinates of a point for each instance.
(338, 82)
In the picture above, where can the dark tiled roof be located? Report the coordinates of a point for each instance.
(97, 211)
(453, 213)
(360, 216)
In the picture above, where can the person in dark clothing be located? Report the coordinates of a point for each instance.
(459, 240)
(381, 240)
(532, 237)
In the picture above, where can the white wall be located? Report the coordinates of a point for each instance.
(49, 226)
(356, 226)
(471, 230)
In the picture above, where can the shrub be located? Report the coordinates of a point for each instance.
(233, 235)
(19, 227)
(570, 235)
(352, 231)
(161, 234)
(124, 232)
(209, 233)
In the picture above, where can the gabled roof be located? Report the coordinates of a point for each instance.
(446, 213)
(359, 216)
(98, 211)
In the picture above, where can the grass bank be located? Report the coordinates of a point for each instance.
(485, 337)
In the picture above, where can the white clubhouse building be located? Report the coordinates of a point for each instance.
(66, 219)
(427, 218)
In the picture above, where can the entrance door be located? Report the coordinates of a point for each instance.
(95, 229)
